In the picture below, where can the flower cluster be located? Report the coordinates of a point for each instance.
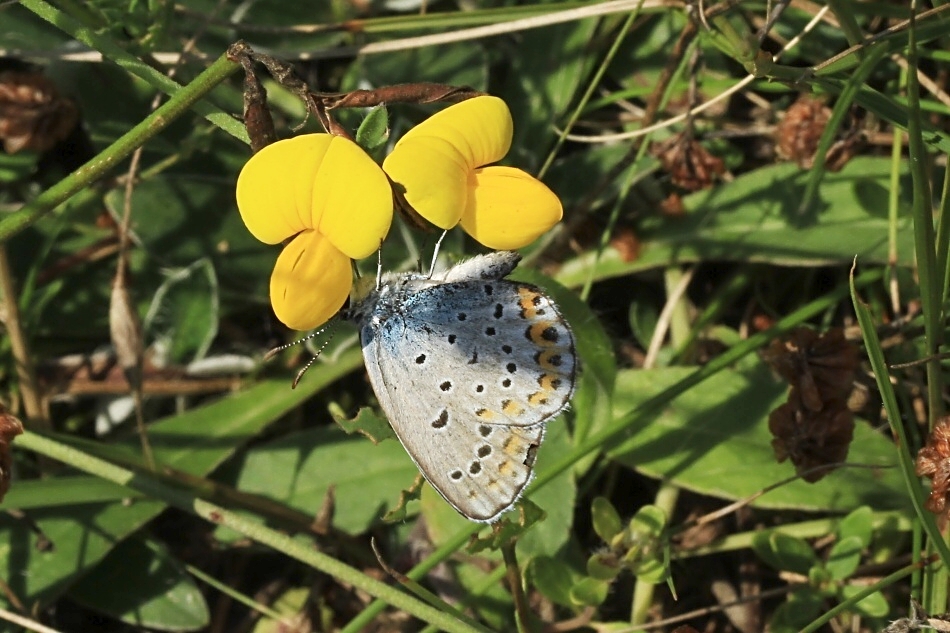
(334, 204)
(933, 461)
(814, 427)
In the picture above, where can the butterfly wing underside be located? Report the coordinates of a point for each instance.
(467, 375)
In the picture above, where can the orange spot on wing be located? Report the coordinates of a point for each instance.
(529, 300)
(511, 408)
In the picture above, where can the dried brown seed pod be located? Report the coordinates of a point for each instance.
(799, 131)
(10, 427)
(690, 165)
(933, 462)
(820, 366)
(811, 438)
(32, 114)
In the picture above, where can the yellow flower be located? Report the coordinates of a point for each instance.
(327, 192)
(439, 168)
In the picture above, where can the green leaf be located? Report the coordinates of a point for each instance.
(754, 218)
(606, 521)
(64, 491)
(23, 30)
(571, 175)
(489, 598)
(643, 316)
(80, 535)
(798, 611)
(859, 523)
(603, 566)
(374, 130)
(589, 592)
(554, 579)
(400, 511)
(784, 552)
(142, 584)
(648, 555)
(299, 468)
(653, 570)
(508, 529)
(715, 440)
(874, 605)
(182, 218)
(844, 557)
(367, 423)
(647, 524)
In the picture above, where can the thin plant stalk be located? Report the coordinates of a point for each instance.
(298, 549)
(25, 368)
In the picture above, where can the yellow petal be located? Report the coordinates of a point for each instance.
(352, 200)
(316, 181)
(310, 282)
(509, 208)
(433, 163)
(434, 178)
(275, 187)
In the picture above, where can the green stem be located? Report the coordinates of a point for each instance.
(924, 238)
(298, 549)
(96, 168)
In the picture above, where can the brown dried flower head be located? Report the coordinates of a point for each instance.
(10, 427)
(691, 167)
(820, 366)
(933, 462)
(811, 438)
(798, 132)
(32, 114)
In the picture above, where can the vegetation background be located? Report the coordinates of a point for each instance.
(721, 168)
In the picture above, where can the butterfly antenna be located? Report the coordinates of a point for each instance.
(277, 350)
(435, 254)
(327, 328)
(310, 362)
